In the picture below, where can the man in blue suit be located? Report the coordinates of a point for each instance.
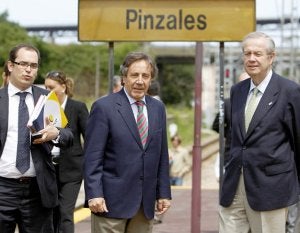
(260, 179)
(126, 176)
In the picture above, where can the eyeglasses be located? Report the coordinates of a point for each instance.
(24, 64)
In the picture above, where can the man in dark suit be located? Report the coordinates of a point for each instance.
(27, 194)
(123, 176)
(260, 179)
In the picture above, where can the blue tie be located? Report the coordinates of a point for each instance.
(23, 148)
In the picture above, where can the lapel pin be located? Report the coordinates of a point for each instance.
(270, 103)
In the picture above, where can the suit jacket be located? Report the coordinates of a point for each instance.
(269, 151)
(117, 167)
(45, 172)
(227, 125)
(71, 158)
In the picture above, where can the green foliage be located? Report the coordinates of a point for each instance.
(76, 60)
(12, 34)
(79, 61)
(183, 117)
(177, 84)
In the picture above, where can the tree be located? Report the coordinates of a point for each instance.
(177, 84)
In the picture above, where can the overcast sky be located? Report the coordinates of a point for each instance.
(65, 12)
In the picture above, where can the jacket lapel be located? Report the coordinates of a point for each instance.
(3, 116)
(125, 110)
(68, 108)
(36, 92)
(267, 101)
(242, 99)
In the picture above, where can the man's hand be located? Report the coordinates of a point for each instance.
(97, 205)
(162, 205)
(50, 132)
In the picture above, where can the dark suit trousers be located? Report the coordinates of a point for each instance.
(20, 204)
(67, 199)
(63, 216)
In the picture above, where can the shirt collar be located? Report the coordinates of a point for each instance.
(12, 90)
(63, 105)
(263, 85)
(132, 100)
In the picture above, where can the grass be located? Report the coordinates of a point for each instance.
(183, 117)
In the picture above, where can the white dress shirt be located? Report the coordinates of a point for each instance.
(134, 106)
(8, 158)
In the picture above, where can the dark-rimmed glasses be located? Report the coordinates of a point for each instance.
(24, 64)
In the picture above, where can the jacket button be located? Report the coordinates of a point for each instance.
(141, 177)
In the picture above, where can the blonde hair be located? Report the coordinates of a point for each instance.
(61, 78)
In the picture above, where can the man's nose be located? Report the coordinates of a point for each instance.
(252, 57)
(139, 79)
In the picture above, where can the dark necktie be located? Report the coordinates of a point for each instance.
(23, 148)
(142, 122)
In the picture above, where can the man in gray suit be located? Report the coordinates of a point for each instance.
(126, 170)
(28, 190)
(260, 179)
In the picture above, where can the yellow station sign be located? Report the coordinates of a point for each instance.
(169, 20)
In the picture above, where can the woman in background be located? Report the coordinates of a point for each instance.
(68, 162)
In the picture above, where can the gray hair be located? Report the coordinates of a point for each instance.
(137, 56)
(258, 35)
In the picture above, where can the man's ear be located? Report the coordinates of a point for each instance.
(10, 65)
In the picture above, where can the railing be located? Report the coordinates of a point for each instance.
(210, 146)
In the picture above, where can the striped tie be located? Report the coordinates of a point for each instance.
(142, 123)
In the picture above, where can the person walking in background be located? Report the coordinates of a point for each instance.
(227, 132)
(126, 168)
(68, 161)
(154, 90)
(117, 85)
(260, 179)
(180, 161)
(227, 121)
(28, 191)
(293, 218)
